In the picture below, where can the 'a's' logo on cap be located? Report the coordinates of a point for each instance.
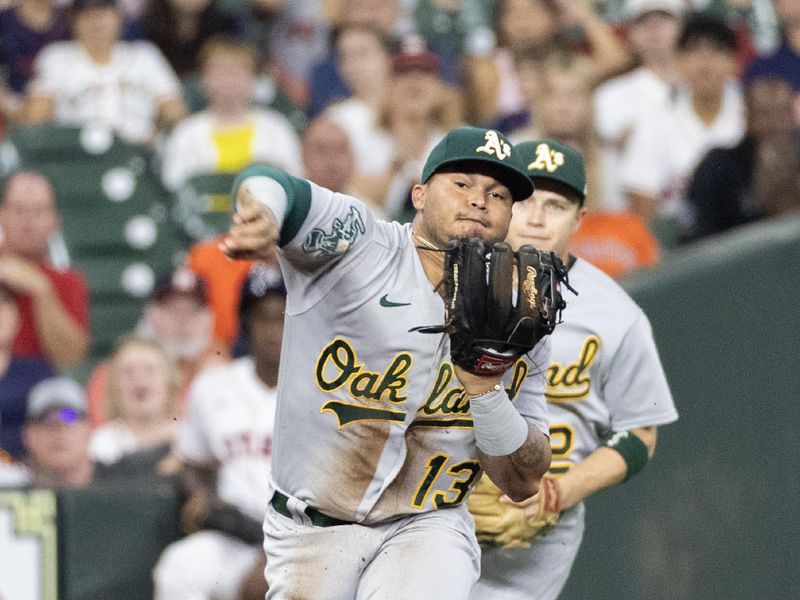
(546, 159)
(494, 145)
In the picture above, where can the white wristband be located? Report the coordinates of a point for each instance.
(499, 428)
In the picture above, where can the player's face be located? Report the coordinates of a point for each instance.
(547, 220)
(462, 205)
(142, 381)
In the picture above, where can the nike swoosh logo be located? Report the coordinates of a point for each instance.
(389, 304)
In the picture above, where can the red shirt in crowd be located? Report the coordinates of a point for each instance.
(70, 287)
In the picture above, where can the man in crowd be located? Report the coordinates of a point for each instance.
(53, 304)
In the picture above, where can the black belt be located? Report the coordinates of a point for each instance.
(280, 502)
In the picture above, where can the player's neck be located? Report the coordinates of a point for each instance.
(431, 257)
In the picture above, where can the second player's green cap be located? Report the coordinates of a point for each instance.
(548, 159)
(474, 144)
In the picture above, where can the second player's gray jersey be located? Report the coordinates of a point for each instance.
(605, 374)
(371, 422)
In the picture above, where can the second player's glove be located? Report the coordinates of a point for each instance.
(488, 329)
(510, 525)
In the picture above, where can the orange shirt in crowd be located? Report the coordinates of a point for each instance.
(617, 243)
(223, 278)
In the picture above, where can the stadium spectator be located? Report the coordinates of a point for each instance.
(225, 444)
(56, 435)
(179, 319)
(141, 402)
(618, 242)
(53, 304)
(25, 28)
(231, 133)
(363, 54)
(128, 86)
(327, 156)
(620, 104)
(418, 110)
(759, 177)
(293, 36)
(327, 161)
(179, 28)
(541, 25)
(452, 30)
(707, 112)
(328, 81)
(17, 376)
(785, 61)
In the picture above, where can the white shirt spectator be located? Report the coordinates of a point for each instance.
(372, 146)
(229, 425)
(620, 105)
(191, 149)
(111, 441)
(124, 93)
(663, 153)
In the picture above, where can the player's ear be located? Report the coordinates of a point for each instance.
(579, 219)
(418, 193)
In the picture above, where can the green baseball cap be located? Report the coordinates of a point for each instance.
(474, 144)
(548, 159)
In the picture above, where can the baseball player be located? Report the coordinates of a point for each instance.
(606, 390)
(225, 443)
(379, 436)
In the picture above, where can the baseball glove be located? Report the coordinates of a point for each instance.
(510, 525)
(488, 330)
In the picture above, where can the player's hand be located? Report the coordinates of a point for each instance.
(545, 505)
(23, 276)
(475, 384)
(254, 233)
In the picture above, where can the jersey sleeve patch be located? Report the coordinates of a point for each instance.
(340, 236)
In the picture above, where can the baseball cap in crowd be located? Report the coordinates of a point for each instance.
(415, 56)
(56, 398)
(263, 280)
(636, 9)
(488, 147)
(548, 160)
(181, 281)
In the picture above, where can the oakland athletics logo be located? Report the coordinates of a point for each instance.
(546, 159)
(494, 145)
(343, 233)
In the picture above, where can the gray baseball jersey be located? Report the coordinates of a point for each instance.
(605, 375)
(371, 422)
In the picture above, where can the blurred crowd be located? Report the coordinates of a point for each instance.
(687, 113)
